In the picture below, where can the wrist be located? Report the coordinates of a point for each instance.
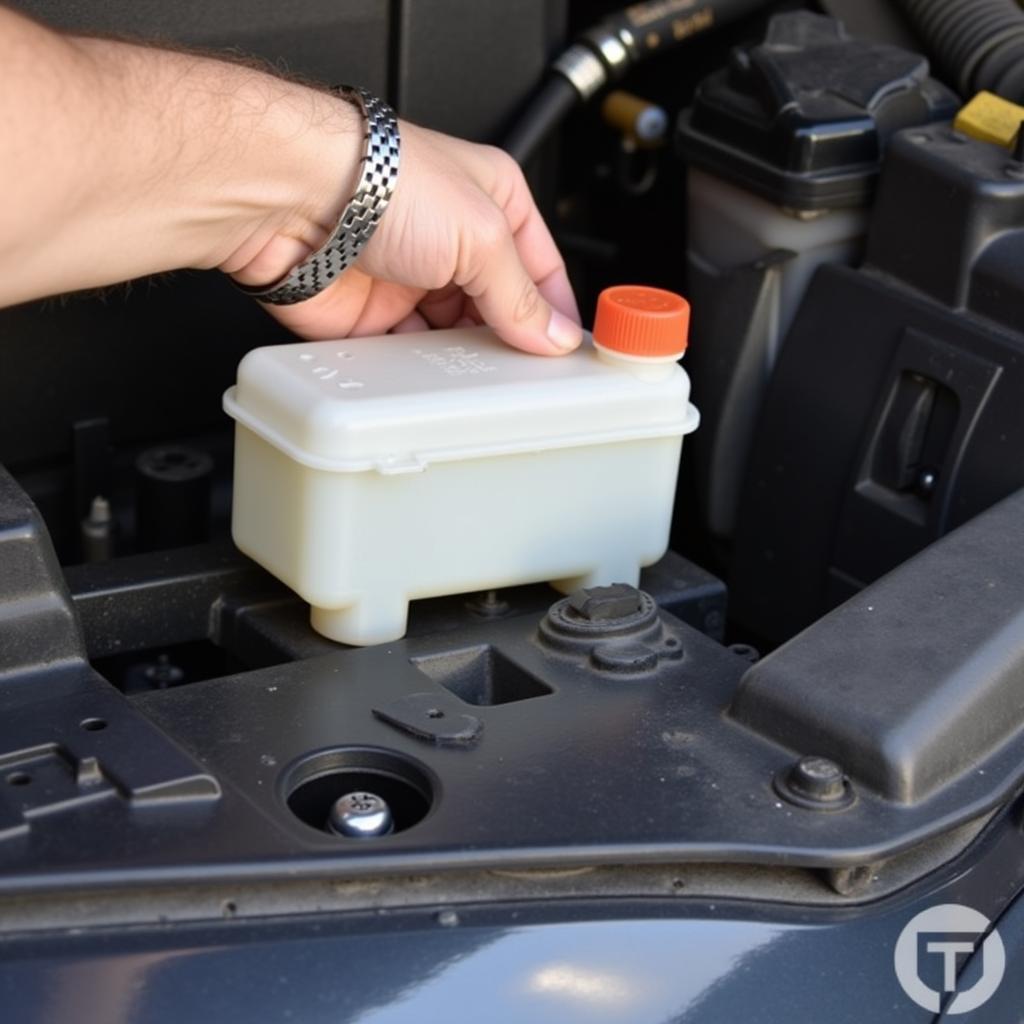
(306, 169)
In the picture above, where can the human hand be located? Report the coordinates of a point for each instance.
(461, 242)
(126, 160)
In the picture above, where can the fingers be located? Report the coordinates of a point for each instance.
(354, 306)
(537, 248)
(543, 263)
(530, 301)
(492, 273)
(386, 305)
(411, 324)
(463, 244)
(394, 308)
(443, 307)
(331, 314)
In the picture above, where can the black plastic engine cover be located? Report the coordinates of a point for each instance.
(605, 732)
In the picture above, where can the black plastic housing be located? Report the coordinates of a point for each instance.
(605, 732)
(894, 413)
(803, 117)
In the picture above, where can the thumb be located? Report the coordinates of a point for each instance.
(508, 298)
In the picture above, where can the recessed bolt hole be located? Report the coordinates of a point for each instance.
(19, 779)
(229, 908)
(320, 783)
(671, 642)
(435, 713)
(94, 724)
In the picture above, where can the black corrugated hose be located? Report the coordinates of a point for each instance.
(605, 52)
(976, 44)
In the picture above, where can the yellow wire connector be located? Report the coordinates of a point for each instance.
(990, 118)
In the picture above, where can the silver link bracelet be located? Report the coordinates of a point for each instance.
(379, 171)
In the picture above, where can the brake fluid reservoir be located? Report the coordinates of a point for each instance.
(374, 471)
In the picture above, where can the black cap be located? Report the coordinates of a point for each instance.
(803, 117)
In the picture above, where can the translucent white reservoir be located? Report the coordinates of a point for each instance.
(372, 472)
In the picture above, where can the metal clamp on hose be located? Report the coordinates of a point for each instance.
(605, 52)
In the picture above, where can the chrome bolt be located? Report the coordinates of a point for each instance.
(360, 816)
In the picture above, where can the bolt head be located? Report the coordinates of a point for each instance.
(818, 778)
(360, 815)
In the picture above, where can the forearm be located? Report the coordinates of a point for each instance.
(118, 161)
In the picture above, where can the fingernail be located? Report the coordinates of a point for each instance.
(563, 333)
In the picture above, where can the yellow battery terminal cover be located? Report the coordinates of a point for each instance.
(990, 118)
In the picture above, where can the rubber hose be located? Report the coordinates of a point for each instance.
(976, 44)
(659, 24)
(554, 101)
(607, 50)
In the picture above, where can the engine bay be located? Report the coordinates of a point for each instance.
(813, 702)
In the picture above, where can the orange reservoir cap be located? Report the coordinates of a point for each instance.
(640, 322)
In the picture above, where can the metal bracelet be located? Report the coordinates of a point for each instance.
(362, 214)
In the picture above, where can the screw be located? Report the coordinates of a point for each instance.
(602, 604)
(360, 815)
(817, 779)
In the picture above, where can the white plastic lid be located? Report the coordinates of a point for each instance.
(400, 402)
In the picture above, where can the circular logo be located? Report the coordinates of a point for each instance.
(943, 933)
